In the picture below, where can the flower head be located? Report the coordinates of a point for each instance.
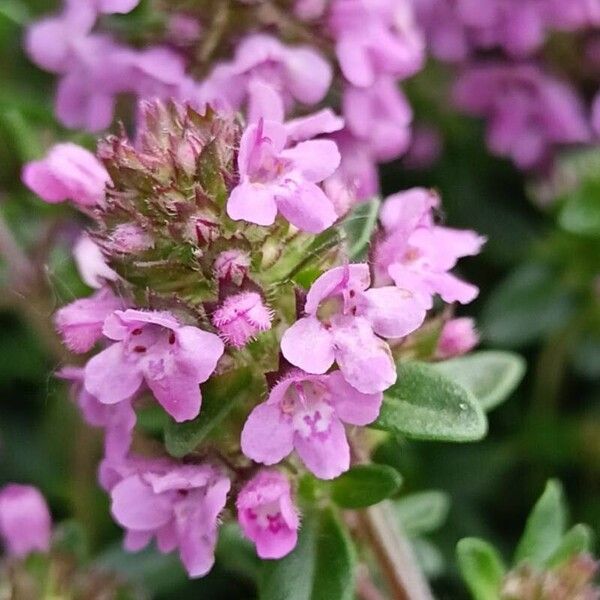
(343, 324)
(179, 505)
(306, 413)
(417, 255)
(153, 347)
(241, 317)
(275, 179)
(25, 522)
(267, 514)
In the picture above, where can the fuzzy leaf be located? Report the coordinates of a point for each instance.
(491, 375)
(321, 567)
(365, 485)
(481, 568)
(544, 528)
(219, 396)
(424, 404)
(422, 512)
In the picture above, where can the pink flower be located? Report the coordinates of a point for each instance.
(294, 73)
(380, 117)
(306, 413)
(241, 317)
(91, 263)
(127, 238)
(278, 179)
(116, 6)
(232, 265)
(343, 322)
(80, 323)
(118, 420)
(25, 522)
(179, 505)
(417, 255)
(267, 514)
(374, 38)
(458, 336)
(69, 172)
(153, 347)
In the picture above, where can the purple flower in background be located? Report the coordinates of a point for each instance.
(241, 318)
(458, 336)
(25, 522)
(528, 111)
(153, 347)
(275, 179)
(306, 413)
(379, 116)
(267, 515)
(68, 172)
(376, 37)
(343, 322)
(117, 420)
(80, 323)
(417, 255)
(596, 115)
(296, 73)
(179, 505)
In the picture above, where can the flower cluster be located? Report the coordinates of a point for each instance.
(216, 247)
(504, 76)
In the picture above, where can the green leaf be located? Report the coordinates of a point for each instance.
(544, 528)
(321, 567)
(530, 303)
(422, 512)
(577, 540)
(71, 538)
(359, 226)
(481, 568)
(235, 552)
(424, 404)
(219, 397)
(365, 485)
(581, 211)
(491, 375)
(429, 557)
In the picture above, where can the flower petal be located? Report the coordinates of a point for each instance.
(326, 454)
(394, 312)
(308, 345)
(110, 377)
(315, 159)
(254, 203)
(267, 436)
(364, 359)
(352, 406)
(308, 208)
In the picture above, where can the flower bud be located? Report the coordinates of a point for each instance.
(232, 265)
(241, 317)
(458, 336)
(25, 522)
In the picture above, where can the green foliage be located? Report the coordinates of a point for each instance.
(422, 512)
(577, 540)
(321, 567)
(580, 213)
(424, 404)
(530, 303)
(544, 528)
(365, 485)
(481, 568)
(220, 396)
(490, 375)
(358, 227)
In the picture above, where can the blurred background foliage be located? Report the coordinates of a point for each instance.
(540, 291)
